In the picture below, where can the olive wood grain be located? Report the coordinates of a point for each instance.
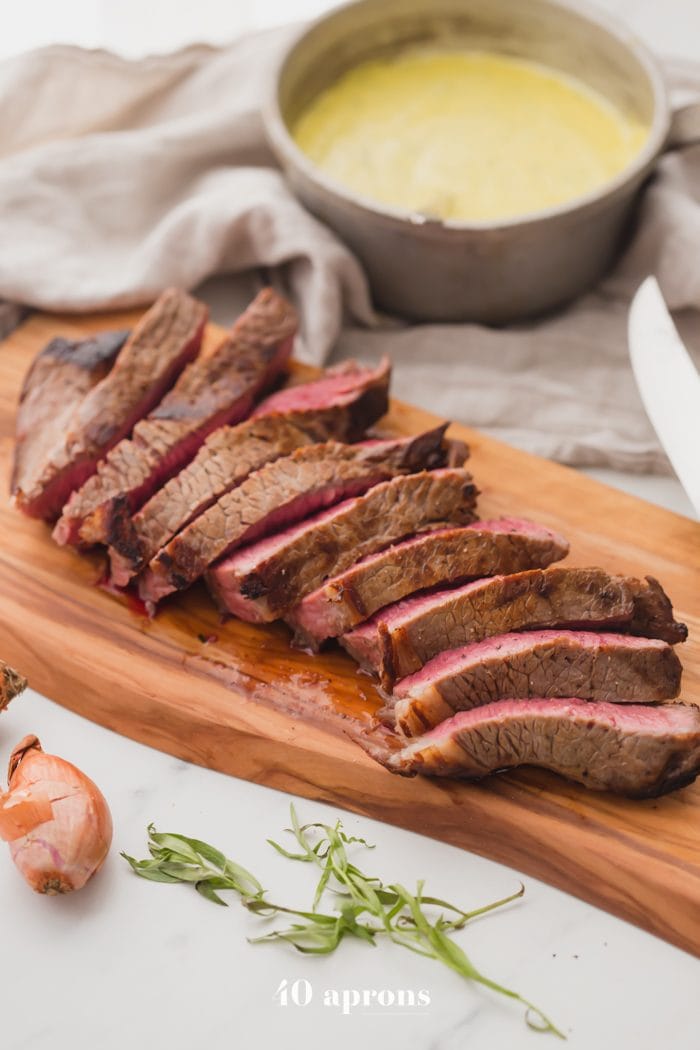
(236, 698)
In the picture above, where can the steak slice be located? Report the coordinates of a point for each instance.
(264, 581)
(485, 548)
(346, 399)
(57, 381)
(217, 388)
(653, 611)
(164, 340)
(162, 343)
(226, 459)
(279, 494)
(616, 668)
(402, 638)
(632, 749)
(337, 406)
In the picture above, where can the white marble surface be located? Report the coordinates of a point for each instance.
(128, 963)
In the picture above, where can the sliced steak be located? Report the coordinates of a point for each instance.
(486, 548)
(161, 344)
(57, 381)
(631, 749)
(653, 611)
(400, 639)
(226, 459)
(279, 494)
(265, 580)
(338, 406)
(215, 389)
(616, 668)
(346, 399)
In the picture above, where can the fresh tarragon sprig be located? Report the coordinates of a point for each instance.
(365, 907)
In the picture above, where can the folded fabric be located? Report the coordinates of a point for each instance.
(118, 178)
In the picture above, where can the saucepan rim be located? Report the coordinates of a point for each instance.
(635, 170)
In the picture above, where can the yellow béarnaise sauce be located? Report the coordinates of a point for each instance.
(466, 135)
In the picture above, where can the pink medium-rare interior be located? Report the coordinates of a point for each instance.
(332, 390)
(153, 587)
(630, 718)
(245, 560)
(395, 614)
(454, 661)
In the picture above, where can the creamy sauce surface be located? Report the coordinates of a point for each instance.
(466, 135)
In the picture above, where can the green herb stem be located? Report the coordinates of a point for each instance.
(365, 907)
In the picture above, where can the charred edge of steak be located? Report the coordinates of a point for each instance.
(178, 580)
(11, 684)
(65, 369)
(426, 452)
(653, 612)
(254, 586)
(121, 533)
(674, 776)
(89, 354)
(370, 406)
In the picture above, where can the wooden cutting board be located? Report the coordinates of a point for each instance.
(236, 698)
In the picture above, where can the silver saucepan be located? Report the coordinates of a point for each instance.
(493, 272)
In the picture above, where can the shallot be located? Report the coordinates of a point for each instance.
(11, 684)
(55, 819)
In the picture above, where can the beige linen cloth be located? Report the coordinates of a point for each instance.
(118, 178)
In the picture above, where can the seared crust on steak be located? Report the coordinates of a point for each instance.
(279, 494)
(653, 611)
(615, 668)
(339, 406)
(57, 381)
(447, 556)
(166, 338)
(400, 639)
(227, 458)
(628, 749)
(265, 580)
(215, 389)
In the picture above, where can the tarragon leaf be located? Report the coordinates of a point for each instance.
(364, 907)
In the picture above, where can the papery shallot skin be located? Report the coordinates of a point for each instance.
(62, 830)
(11, 684)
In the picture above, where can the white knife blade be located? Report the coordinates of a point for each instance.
(668, 382)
